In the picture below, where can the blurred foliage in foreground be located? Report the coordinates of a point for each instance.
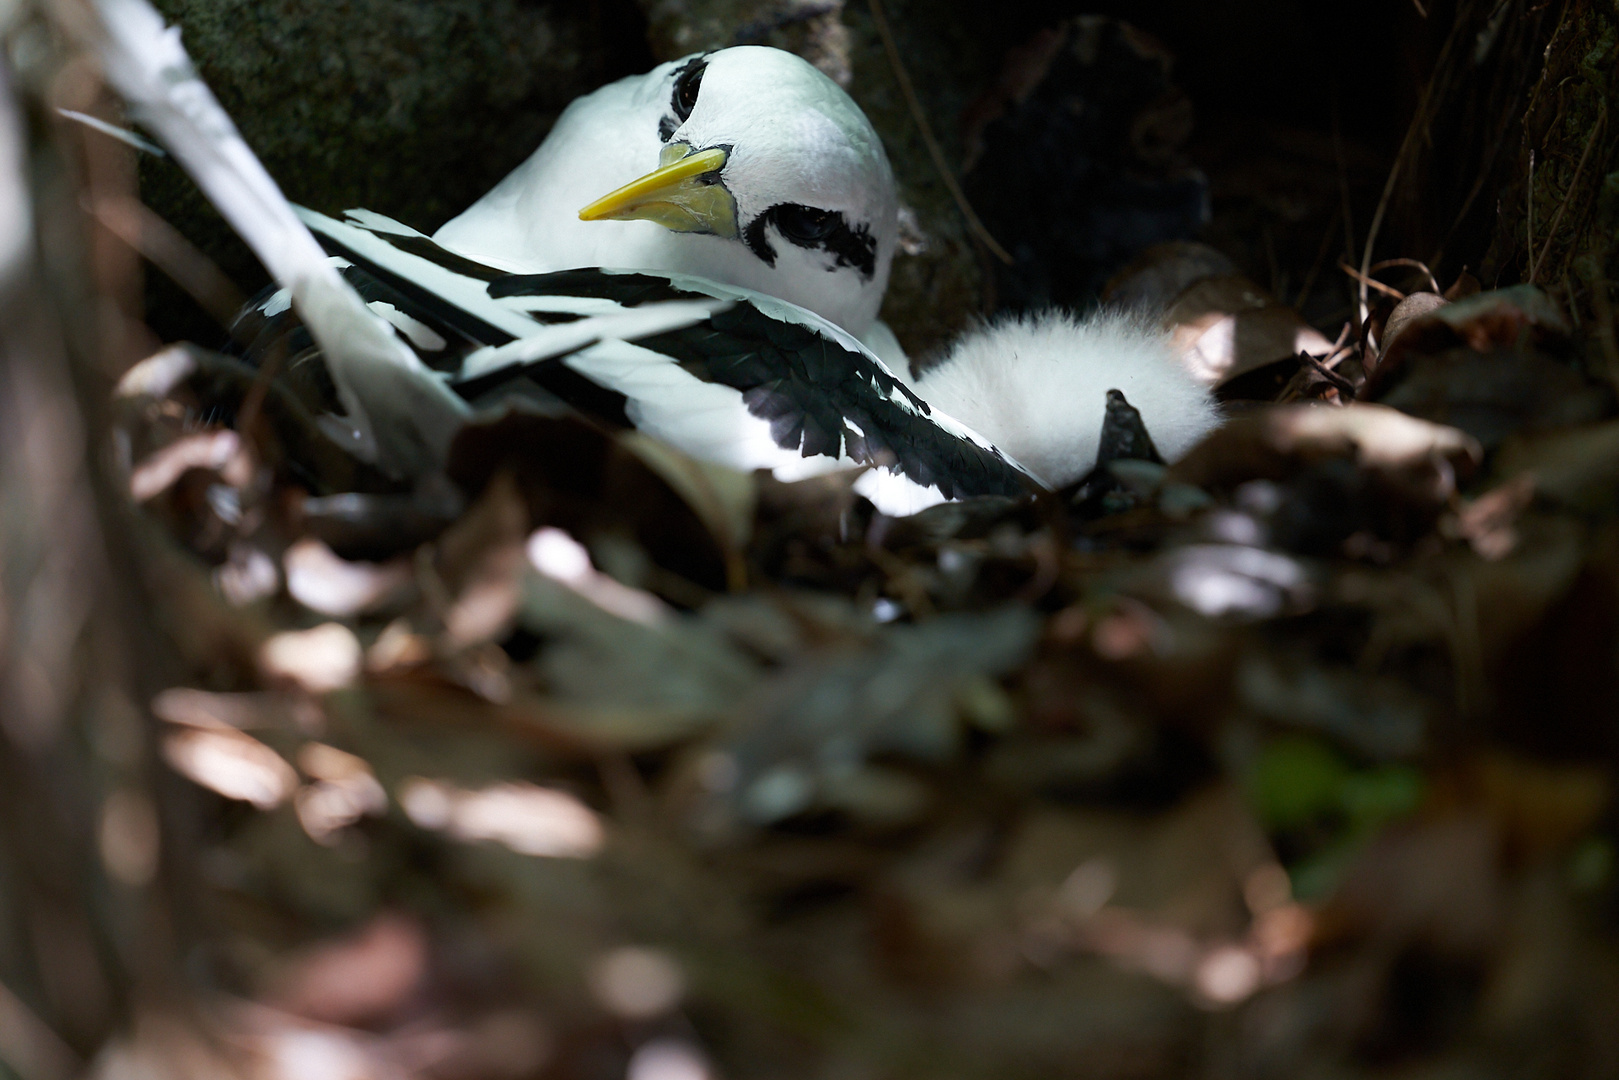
(1294, 758)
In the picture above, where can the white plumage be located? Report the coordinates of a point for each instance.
(781, 388)
(728, 375)
(792, 138)
(1036, 386)
(397, 414)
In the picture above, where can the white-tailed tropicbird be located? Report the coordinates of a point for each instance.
(746, 166)
(728, 374)
(725, 374)
(771, 178)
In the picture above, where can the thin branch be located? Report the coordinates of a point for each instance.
(903, 77)
(1332, 378)
(1419, 125)
(161, 244)
(1367, 280)
(1415, 264)
(1529, 199)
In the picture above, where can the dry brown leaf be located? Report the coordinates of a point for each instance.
(357, 979)
(339, 588)
(723, 498)
(482, 562)
(231, 764)
(1270, 443)
(217, 451)
(320, 660)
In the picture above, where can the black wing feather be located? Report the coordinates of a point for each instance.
(818, 395)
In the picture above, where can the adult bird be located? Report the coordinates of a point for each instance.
(725, 374)
(746, 166)
(409, 331)
(770, 177)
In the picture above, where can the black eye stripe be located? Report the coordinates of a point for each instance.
(811, 228)
(688, 84)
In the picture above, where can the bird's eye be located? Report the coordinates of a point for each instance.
(804, 224)
(687, 85)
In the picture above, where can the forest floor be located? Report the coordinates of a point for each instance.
(1292, 758)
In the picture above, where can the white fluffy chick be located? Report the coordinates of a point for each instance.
(1036, 386)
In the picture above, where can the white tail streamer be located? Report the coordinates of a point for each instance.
(400, 415)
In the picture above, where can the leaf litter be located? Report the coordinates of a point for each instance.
(1002, 781)
(1293, 756)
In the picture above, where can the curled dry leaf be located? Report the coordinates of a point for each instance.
(203, 709)
(1222, 324)
(356, 979)
(529, 819)
(1275, 441)
(1495, 364)
(723, 498)
(231, 764)
(320, 660)
(1481, 322)
(1407, 313)
(217, 451)
(1228, 326)
(324, 583)
(575, 477)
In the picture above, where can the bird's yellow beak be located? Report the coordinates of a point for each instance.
(683, 194)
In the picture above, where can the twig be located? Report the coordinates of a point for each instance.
(161, 244)
(903, 77)
(1339, 349)
(1529, 239)
(1419, 124)
(1432, 281)
(1333, 379)
(1368, 280)
(1551, 230)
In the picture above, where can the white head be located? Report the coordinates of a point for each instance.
(767, 153)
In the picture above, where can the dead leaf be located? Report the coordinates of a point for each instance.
(326, 584)
(217, 451)
(320, 660)
(231, 764)
(357, 979)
